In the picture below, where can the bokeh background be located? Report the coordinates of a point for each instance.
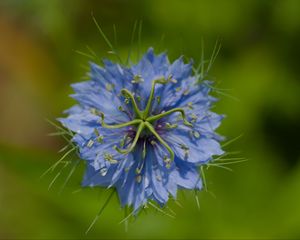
(258, 62)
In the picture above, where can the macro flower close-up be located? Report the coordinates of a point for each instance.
(138, 119)
(144, 129)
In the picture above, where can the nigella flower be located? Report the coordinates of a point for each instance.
(144, 129)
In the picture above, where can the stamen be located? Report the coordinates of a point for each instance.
(190, 105)
(194, 117)
(185, 149)
(96, 132)
(136, 138)
(109, 87)
(171, 126)
(196, 134)
(90, 143)
(167, 161)
(133, 122)
(144, 150)
(173, 80)
(137, 79)
(159, 116)
(95, 111)
(138, 178)
(186, 92)
(158, 178)
(100, 139)
(109, 157)
(103, 171)
(178, 89)
(150, 127)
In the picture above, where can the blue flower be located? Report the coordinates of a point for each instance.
(144, 130)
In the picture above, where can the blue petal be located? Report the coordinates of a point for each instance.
(119, 76)
(93, 177)
(179, 70)
(126, 163)
(73, 110)
(83, 122)
(167, 174)
(187, 175)
(210, 122)
(126, 191)
(160, 192)
(200, 151)
(150, 67)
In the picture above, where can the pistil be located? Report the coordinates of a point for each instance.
(161, 115)
(149, 103)
(150, 127)
(136, 138)
(136, 110)
(143, 120)
(121, 125)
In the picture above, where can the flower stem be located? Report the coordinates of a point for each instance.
(150, 127)
(161, 115)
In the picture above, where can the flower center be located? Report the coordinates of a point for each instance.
(143, 120)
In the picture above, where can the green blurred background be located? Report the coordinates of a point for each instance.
(259, 62)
